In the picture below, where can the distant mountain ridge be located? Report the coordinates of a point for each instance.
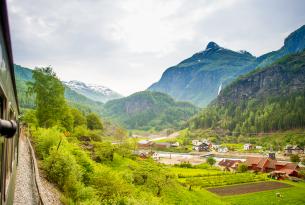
(198, 78)
(147, 109)
(24, 75)
(92, 91)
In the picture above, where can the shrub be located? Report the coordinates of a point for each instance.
(242, 168)
(185, 165)
(94, 122)
(302, 174)
(294, 158)
(61, 167)
(211, 161)
(45, 139)
(103, 151)
(108, 184)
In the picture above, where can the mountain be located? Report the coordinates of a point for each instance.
(24, 75)
(94, 92)
(266, 99)
(199, 78)
(294, 43)
(146, 109)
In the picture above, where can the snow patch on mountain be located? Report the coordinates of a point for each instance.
(93, 91)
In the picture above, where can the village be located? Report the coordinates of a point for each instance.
(278, 164)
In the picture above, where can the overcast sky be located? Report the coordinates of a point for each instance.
(127, 44)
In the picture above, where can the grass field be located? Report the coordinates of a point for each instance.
(204, 178)
(290, 196)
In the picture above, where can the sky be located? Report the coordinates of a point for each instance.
(126, 45)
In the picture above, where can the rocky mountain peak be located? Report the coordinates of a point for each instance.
(295, 42)
(212, 45)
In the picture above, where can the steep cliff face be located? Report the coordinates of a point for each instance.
(198, 78)
(294, 43)
(265, 100)
(280, 79)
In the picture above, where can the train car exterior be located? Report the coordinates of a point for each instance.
(9, 112)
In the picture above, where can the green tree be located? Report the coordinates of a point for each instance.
(103, 151)
(242, 168)
(211, 161)
(79, 118)
(295, 158)
(94, 122)
(51, 107)
(29, 117)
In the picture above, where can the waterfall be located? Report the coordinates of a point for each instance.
(219, 89)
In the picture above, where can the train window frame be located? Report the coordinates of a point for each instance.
(3, 115)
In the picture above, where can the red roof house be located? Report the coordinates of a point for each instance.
(229, 165)
(266, 164)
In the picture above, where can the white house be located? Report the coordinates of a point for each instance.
(156, 156)
(258, 147)
(196, 142)
(247, 146)
(176, 144)
(215, 146)
(222, 149)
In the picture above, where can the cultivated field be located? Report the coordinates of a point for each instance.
(226, 188)
(248, 188)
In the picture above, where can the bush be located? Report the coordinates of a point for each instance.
(302, 174)
(185, 165)
(45, 139)
(61, 168)
(295, 158)
(211, 161)
(108, 184)
(103, 151)
(242, 168)
(94, 122)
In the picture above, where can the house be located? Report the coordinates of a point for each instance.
(222, 149)
(260, 164)
(215, 147)
(267, 164)
(162, 145)
(196, 142)
(156, 156)
(289, 168)
(143, 155)
(144, 144)
(229, 164)
(176, 144)
(289, 149)
(202, 147)
(258, 147)
(248, 146)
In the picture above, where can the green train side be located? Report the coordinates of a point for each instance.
(9, 112)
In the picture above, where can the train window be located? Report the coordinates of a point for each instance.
(2, 115)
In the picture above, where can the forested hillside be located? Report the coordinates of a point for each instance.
(267, 99)
(145, 110)
(199, 78)
(24, 75)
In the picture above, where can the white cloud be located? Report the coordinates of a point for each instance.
(127, 44)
